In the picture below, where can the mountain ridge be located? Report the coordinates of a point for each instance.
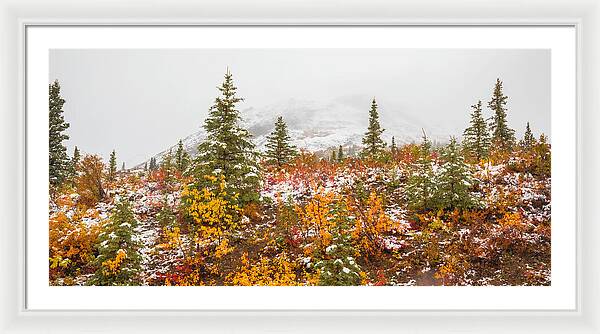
(318, 127)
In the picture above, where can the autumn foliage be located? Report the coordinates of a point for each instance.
(318, 223)
(90, 182)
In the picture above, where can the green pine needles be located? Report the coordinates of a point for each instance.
(503, 137)
(449, 186)
(476, 139)
(528, 139)
(112, 166)
(59, 164)
(338, 266)
(228, 149)
(280, 151)
(420, 185)
(374, 146)
(182, 158)
(118, 260)
(455, 180)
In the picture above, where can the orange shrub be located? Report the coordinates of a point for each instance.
(90, 181)
(71, 244)
(371, 222)
(317, 216)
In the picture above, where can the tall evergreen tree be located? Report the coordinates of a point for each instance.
(153, 165)
(167, 161)
(181, 158)
(476, 137)
(228, 149)
(118, 260)
(59, 162)
(543, 163)
(186, 161)
(333, 156)
(393, 148)
(528, 139)
(280, 150)
(503, 137)
(76, 157)
(112, 166)
(373, 144)
(123, 166)
(421, 185)
(146, 166)
(340, 155)
(74, 166)
(455, 180)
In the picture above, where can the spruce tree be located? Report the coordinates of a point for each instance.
(421, 185)
(280, 151)
(339, 267)
(181, 158)
(112, 166)
(118, 260)
(503, 137)
(543, 163)
(76, 157)
(185, 161)
(153, 165)
(228, 149)
(59, 162)
(528, 139)
(74, 164)
(340, 155)
(373, 144)
(393, 148)
(123, 166)
(476, 138)
(167, 161)
(454, 181)
(333, 156)
(146, 166)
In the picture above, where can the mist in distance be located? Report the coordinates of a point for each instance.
(139, 102)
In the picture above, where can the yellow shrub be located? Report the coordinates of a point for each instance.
(223, 249)
(371, 221)
(71, 243)
(278, 271)
(213, 210)
(318, 216)
(111, 267)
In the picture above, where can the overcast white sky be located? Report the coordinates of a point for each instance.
(139, 102)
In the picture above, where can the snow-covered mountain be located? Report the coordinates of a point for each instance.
(318, 127)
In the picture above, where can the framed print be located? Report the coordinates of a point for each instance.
(290, 171)
(304, 188)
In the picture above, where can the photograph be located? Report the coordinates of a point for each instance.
(299, 167)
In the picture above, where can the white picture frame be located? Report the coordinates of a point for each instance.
(583, 15)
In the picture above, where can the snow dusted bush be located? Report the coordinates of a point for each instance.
(118, 261)
(339, 266)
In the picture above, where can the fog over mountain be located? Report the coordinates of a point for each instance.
(141, 102)
(319, 127)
